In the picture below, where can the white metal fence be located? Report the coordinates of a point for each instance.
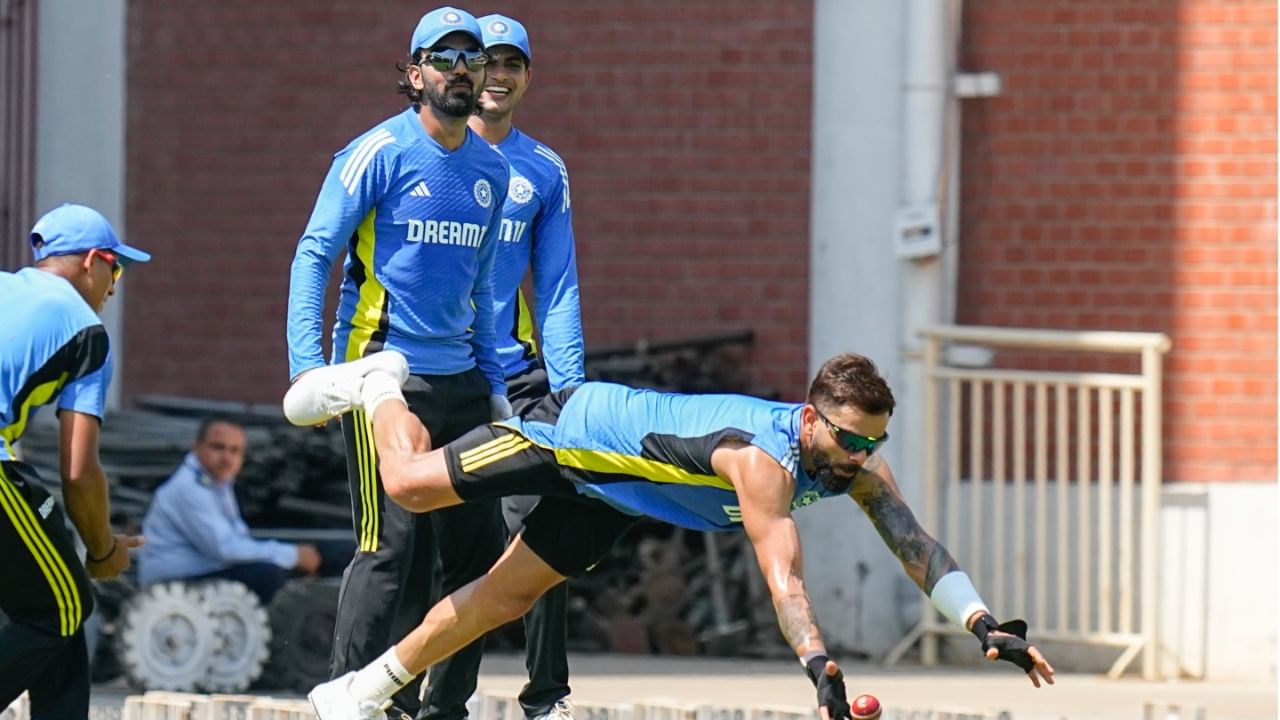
(1049, 489)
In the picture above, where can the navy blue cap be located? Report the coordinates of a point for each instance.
(440, 22)
(502, 30)
(71, 229)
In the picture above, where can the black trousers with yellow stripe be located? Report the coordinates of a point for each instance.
(46, 595)
(392, 581)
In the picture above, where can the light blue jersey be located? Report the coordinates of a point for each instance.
(52, 345)
(649, 453)
(537, 231)
(419, 224)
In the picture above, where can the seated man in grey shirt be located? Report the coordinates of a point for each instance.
(195, 530)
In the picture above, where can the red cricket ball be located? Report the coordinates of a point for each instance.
(865, 707)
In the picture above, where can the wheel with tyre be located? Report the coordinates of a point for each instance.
(242, 636)
(302, 616)
(165, 639)
(109, 598)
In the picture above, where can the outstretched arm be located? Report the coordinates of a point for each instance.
(923, 558)
(764, 491)
(932, 568)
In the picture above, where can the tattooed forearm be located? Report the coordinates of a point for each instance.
(940, 563)
(799, 626)
(924, 558)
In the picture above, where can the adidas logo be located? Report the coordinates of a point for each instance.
(420, 190)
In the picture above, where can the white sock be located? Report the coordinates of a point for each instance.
(380, 679)
(379, 387)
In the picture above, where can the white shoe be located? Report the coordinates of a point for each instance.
(333, 701)
(327, 392)
(562, 710)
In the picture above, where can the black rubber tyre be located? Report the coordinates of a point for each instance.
(302, 615)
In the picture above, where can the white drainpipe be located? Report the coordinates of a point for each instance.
(926, 97)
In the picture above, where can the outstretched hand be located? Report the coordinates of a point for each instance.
(832, 701)
(1008, 641)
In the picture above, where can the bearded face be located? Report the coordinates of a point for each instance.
(835, 477)
(458, 99)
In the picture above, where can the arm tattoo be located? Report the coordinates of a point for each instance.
(924, 558)
(795, 617)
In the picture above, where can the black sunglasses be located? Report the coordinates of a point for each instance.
(852, 441)
(444, 59)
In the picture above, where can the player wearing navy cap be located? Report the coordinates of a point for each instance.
(55, 350)
(537, 234)
(602, 455)
(416, 204)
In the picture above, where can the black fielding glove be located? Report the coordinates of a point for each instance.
(1011, 647)
(831, 693)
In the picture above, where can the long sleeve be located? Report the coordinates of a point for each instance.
(352, 188)
(194, 527)
(555, 284)
(222, 538)
(484, 338)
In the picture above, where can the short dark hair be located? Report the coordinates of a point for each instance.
(849, 379)
(210, 420)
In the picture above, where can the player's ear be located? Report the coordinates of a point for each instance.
(413, 74)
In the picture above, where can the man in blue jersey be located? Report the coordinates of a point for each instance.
(602, 455)
(53, 348)
(416, 203)
(537, 234)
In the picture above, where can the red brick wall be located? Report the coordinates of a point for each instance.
(1125, 180)
(690, 173)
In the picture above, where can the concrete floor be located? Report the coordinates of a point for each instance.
(907, 693)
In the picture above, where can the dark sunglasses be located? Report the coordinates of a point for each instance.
(110, 258)
(852, 441)
(444, 59)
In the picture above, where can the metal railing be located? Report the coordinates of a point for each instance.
(1059, 542)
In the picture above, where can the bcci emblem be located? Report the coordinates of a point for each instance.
(452, 18)
(520, 190)
(497, 27)
(806, 498)
(483, 193)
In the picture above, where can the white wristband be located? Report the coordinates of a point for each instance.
(956, 598)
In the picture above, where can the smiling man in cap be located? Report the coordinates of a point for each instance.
(537, 235)
(416, 204)
(53, 348)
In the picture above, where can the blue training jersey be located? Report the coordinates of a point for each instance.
(649, 453)
(52, 345)
(419, 224)
(537, 231)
